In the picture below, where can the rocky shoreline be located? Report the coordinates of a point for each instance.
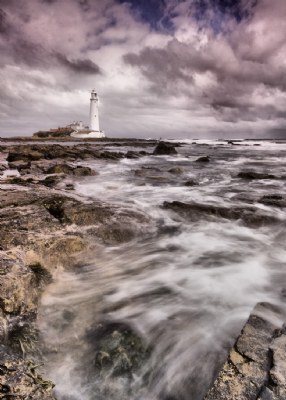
(45, 226)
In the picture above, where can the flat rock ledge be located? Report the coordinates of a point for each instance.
(256, 365)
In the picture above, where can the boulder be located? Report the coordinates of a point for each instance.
(203, 159)
(164, 148)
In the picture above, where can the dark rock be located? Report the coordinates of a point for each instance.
(132, 154)
(52, 180)
(275, 200)
(203, 159)
(164, 148)
(118, 353)
(140, 172)
(25, 155)
(256, 365)
(69, 170)
(69, 186)
(83, 171)
(20, 165)
(191, 182)
(176, 170)
(60, 169)
(194, 211)
(255, 175)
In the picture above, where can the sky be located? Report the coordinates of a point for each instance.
(162, 68)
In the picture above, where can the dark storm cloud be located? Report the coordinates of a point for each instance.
(18, 46)
(81, 66)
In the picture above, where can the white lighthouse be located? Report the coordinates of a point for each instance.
(93, 116)
(91, 131)
(93, 112)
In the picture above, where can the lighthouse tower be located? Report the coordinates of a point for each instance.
(93, 116)
(93, 112)
(91, 131)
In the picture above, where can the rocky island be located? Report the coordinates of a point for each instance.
(53, 222)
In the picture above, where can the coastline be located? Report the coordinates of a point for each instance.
(46, 227)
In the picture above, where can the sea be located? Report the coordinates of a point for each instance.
(186, 286)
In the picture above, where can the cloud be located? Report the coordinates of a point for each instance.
(178, 68)
(241, 75)
(81, 66)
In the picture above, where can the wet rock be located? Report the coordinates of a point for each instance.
(255, 175)
(69, 186)
(69, 170)
(203, 159)
(164, 148)
(176, 170)
(60, 169)
(83, 171)
(191, 182)
(19, 379)
(37, 152)
(52, 180)
(20, 165)
(17, 292)
(194, 211)
(118, 353)
(255, 368)
(27, 154)
(140, 172)
(132, 154)
(275, 200)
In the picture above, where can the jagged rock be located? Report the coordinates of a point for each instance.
(203, 159)
(194, 211)
(164, 148)
(19, 379)
(255, 175)
(255, 368)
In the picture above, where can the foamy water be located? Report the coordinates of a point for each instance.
(186, 287)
